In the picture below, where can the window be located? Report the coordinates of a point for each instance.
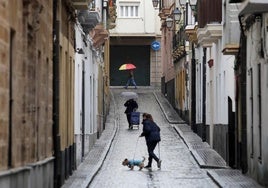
(129, 10)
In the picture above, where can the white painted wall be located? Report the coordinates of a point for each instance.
(79, 58)
(199, 84)
(146, 22)
(220, 84)
(257, 138)
(91, 83)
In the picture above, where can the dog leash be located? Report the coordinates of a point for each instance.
(135, 148)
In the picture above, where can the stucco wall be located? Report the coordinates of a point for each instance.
(257, 97)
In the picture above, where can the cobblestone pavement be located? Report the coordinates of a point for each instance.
(179, 169)
(187, 161)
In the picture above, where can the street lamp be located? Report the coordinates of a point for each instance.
(169, 22)
(155, 3)
(191, 2)
(177, 14)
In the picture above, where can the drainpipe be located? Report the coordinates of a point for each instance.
(242, 58)
(56, 137)
(83, 109)
(204, 132)
(243, 85)
(193, 90)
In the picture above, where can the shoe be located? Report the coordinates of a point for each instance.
(159, 163)
(125, 87)
(148, 167)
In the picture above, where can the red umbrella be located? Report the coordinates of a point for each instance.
(127, 66)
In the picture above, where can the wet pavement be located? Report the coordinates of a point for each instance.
(187, 161)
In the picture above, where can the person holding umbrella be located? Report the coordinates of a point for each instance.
(130, 67)
(131, 80)
(132, 106)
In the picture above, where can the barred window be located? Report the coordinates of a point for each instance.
(129, 11)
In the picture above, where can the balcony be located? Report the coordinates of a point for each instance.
(231, 29)
(191, 33)
(164, 13)
(99, 36)
(80, 4)
(209, 11)
(209, 22)
(179, 45)
(209, 34)
(88, 19)
(253, 6)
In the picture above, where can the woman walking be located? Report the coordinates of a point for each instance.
(151, 132)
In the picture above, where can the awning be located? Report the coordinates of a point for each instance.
(253, 6)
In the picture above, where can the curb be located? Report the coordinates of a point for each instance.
(108, 146)
(82, 177)
(228, 178)
(163, 110)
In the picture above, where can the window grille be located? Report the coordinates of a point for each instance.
(129, 11)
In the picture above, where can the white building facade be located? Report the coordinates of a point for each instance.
(86, 74)
(137, 26)
(90, 106)
(254, 19)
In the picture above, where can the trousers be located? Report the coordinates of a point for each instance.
(151, 146)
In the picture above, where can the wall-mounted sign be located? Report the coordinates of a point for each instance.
(155, 45)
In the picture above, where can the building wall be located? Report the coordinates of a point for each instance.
(63, 86)
(26, 93)
(257, 82)
(155, 68)
(182, 88)
(139, 55)
(90, 93)
(220, 86)
(143, 30)
(201, 77)
(145, 22)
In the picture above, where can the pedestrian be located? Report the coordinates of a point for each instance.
(131, 80)
(131, 106)
(151, 132)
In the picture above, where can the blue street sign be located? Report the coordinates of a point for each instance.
(155, 45)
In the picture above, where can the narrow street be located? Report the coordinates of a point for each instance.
(179, 169)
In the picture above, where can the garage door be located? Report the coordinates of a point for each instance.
(139, 55)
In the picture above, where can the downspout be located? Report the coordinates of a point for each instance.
(243, 85)
(105, 17)
(56, 137)
(193, 90)
(83, 109)
(204, 132)
(243, 108)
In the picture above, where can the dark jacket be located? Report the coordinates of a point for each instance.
(151, 131)
(131, 105)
